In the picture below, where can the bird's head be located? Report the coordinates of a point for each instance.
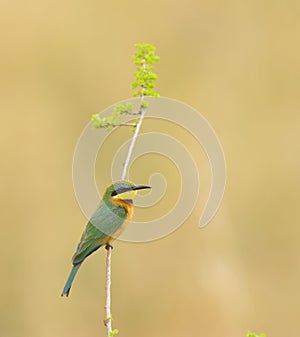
(123, 190)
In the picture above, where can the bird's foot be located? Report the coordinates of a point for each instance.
(108, 245)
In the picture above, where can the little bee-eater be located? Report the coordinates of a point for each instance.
(107, 222)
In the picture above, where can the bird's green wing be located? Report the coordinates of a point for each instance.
(108, 218)
(103, 223)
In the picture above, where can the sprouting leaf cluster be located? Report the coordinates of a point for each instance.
(144, 58)
(145, 78)
(114, 119)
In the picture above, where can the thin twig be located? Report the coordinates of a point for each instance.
(107, 321)
(132, 113)
(115, 125)
(131, 147)
(142, 111)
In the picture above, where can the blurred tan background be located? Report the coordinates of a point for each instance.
(235, 62)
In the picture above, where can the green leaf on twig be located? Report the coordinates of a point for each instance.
(114, 332)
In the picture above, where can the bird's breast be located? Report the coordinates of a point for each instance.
(129, 213)
(128, 207)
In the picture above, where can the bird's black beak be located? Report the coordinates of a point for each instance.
(140, 187)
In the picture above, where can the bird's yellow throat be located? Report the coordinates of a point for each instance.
(128, 195)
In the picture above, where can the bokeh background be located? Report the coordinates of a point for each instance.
(235, 62)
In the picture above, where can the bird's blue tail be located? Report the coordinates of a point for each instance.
(70, 280)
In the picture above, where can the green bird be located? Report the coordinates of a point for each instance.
(107, 223)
